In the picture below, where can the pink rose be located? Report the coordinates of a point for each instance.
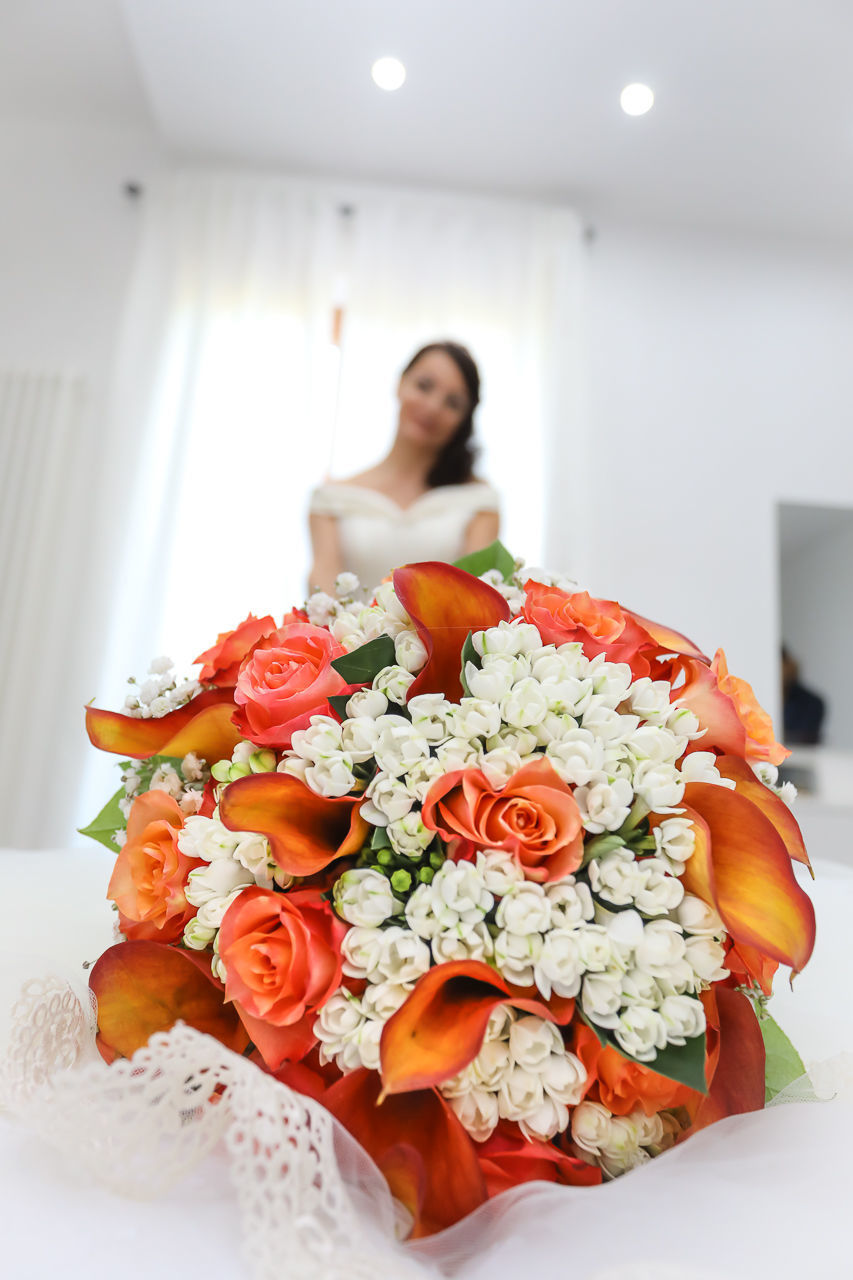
(287, 679)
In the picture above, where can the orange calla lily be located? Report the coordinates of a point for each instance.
(445, 603)
(203, 725)
(716, 712)
(306, 831)
(418, 1144)
(145, 987)
(440, 1028)
(740, 865)
(772, 806)
(735, 1065)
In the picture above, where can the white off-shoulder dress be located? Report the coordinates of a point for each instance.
(377, 535)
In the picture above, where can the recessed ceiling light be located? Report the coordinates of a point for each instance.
(388, 73)
(636, 99)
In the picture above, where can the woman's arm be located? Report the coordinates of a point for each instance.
(482, 529)
(325, 551)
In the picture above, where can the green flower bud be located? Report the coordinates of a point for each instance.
(425, 875)
(436, 860)
(238, 771)
(222, 770)
(385, 857)
(262, 762)
(401, 881)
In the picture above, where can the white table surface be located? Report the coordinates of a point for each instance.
(55, 1222)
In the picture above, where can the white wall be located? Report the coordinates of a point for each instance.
(67, 238)
(719, 382)
(817, 624)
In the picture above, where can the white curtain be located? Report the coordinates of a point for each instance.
(45, 509)
(503, 278)
(221, 382)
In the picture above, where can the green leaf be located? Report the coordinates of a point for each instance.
(380, 838)
(783, 1064)
(469, 654)
(600, 846)
(495, 556)
(338, 703)
(684, 1063)
(108, 821)
(360, 666)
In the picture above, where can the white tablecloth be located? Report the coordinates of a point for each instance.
(760, 1195)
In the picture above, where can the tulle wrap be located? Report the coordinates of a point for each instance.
(213, 1165)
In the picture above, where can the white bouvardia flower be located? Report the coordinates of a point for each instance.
(604, 805)
(364, 897)
(524, 909)
(675, 841)
(367, 704)
(700, 766)
(410, 651)
(399, 745)
(387, 799)
(408, 835)
(430, 713)
(394, 682)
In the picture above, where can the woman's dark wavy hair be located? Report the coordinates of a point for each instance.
(455, 463)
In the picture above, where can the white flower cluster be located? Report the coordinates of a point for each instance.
(637, 977)
(160, 693)
(522, 1073)
(186, 786)
(353, 622)
(349, 594)
(769, 775)
(619, 1143)
(235, 860)
(612, 739)
(641, 978)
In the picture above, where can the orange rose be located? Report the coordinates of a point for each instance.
(625, 1086)
(282, 954)
(601, 626)
(287, 679)
(535, 816)
(761, 741)
(223, 660)
(150, 874)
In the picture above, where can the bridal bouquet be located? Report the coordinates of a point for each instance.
(498, 872)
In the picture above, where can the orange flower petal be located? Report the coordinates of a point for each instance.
(774, 808)
(202, 725)
(440, 1028)
(740, 866)
(145, 987)
(761, 741)
(279, 1045)
(445, 603)
(507, 1158)
(306, 831)
(716, 712)
(418, 1144)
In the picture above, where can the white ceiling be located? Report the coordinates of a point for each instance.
(753, 124)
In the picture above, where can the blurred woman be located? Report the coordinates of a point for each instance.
(422, 501)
